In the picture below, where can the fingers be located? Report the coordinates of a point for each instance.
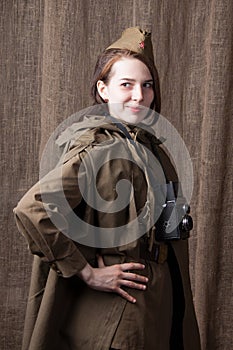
(132, 266)
(134, 285)
(118, 271)
(124, 266)
(129, 284)
(127, 267)
(134, 277)
(126, 296)
(131, 280)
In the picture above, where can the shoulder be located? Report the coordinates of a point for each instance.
(96, 136)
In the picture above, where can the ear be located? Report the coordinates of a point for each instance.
(102, 90)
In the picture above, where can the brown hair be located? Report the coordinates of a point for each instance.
(103, 72)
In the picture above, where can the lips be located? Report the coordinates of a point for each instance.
(135, 109)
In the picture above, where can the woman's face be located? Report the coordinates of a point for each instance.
(129, 90)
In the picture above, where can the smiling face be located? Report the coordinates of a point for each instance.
(128, 91)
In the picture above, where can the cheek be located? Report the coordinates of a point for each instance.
(118, 96)
(150, 96)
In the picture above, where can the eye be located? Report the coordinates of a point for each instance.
(148, 84)
(126, 84)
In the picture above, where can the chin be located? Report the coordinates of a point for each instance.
(131, 119)
(134, 118)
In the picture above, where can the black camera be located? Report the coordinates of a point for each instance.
(174, 223)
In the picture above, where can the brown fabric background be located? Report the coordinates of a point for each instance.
(48, 49)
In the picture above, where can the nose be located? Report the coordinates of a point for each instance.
(137, 93)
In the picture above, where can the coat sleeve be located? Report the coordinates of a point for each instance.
(41, 216)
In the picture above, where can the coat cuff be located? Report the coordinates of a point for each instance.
(69, 266)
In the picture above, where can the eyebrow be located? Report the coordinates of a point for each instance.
(129, 79)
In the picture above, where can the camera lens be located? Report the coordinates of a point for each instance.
(186, 224)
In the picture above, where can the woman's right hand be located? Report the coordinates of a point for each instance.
(113, 278)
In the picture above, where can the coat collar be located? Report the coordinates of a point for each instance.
(138, 132)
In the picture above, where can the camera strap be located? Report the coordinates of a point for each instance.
(125, 131)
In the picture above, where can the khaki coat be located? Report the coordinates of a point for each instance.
(63, 312)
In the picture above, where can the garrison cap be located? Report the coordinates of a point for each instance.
(137, 40)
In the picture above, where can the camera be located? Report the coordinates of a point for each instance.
(174, 223)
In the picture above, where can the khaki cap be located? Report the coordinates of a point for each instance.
(137, 40)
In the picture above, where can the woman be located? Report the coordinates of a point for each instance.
(134, 295)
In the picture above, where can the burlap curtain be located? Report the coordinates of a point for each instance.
(48, 49)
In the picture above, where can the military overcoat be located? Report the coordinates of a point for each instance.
(62, 312)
